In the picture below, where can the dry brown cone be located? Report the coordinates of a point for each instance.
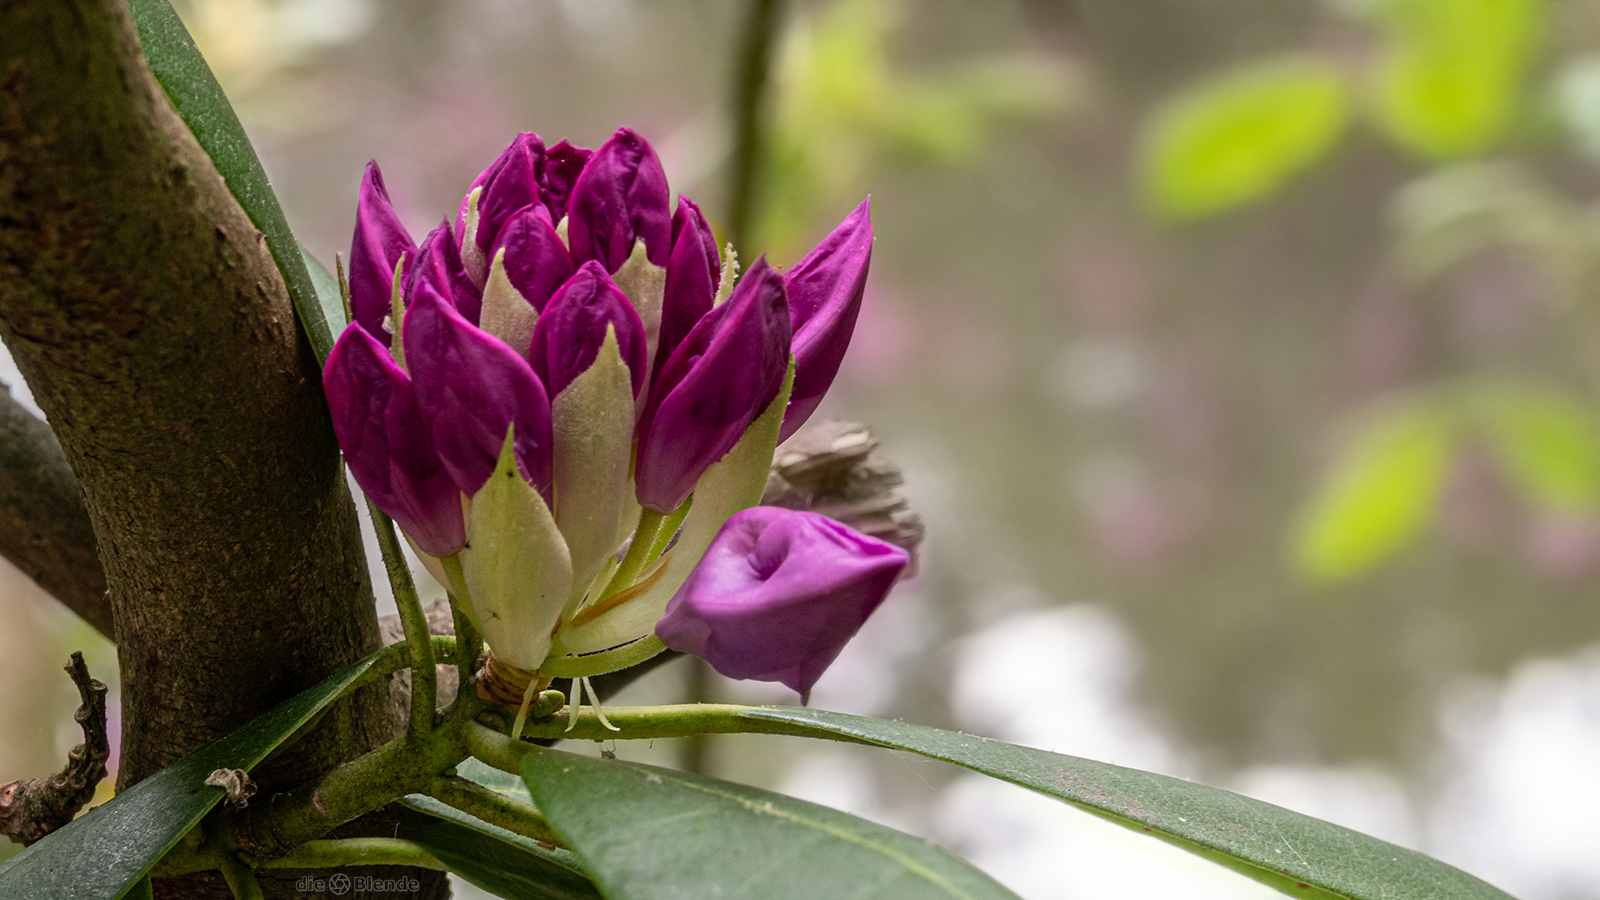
(833, 468)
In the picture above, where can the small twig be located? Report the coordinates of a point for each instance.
(31, 809)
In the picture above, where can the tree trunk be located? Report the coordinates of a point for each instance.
(145, 312)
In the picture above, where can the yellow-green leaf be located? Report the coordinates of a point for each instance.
(1382, 491)
(1236, 138)
(1547, 443)
(517, 568)
(1449, 78)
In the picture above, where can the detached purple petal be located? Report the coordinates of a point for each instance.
(779, 594)
(724, 373)
(379, 240)
(512, 185)
(621, 196)
(470, 388)
(692, 275)
(387, 444)
(439, 265)
(562, 164)
(824, 298)
(536, 261)
(573, 327)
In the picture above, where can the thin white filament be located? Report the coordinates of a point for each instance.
(594, 698)
(522, 711)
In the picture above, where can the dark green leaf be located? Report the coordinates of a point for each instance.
(1448, 82)
(496, 860)
(127, 835)
(1299, 855)
(1241, 136)
(647, 833)
(199, 99)
(1380, 496)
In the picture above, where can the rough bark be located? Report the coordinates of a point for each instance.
(148, 318)
(44, 529)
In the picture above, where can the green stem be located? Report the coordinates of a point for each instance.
(424, 680)
(406, 765)
(644, 538)
(240, 879)
(668, 529)
(635, 723)
(469, 643)
(695, 751)
(370, 851)
(495, 808)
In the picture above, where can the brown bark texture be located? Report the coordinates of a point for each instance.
(44, 529)
(147, 316)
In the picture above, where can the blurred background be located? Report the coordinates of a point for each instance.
(1242, 357)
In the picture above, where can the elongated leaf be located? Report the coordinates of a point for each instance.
(1548, 443)
(1299, 855)
(1380, 496)
(655, 834)
(1232, 140)
(199, 99)
(1449, 79)
(496, 860)
(127, 835)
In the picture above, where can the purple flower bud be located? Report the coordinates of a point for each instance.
(439, 265)
(536, 261)
(573, 326)
(725, 372)
(387, 444)
(778, 595)
(562, 164)
(692, 275)
(621, 196)
(824, 297)
(688, 215)
(512, 185)
(482, 180)
(379, 240)
(471, 388)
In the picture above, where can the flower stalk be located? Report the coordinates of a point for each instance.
(424, 678)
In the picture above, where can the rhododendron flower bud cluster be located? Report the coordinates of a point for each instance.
(565, 397)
